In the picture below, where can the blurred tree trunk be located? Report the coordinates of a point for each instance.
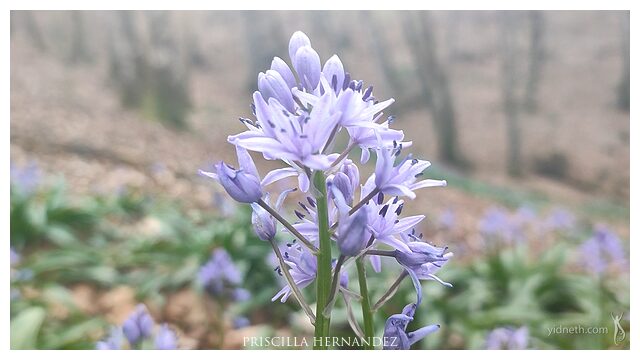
(33, 30)
(434, 84)
(509, 98)
(381, 48)
(79, 52)
(149, 68)
(536, 59)
(264, 44)
(624, 88)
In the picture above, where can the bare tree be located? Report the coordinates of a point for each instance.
(79, 51)
(536, 59)
(434, 83)
(262, 44)
(624, 88)
(379, 45)
(32, 29)
(509, 97)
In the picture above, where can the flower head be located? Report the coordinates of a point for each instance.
(244, 184)
(220, 276)
(395, 330)
(508, 338)
(166, 339)
(113, 341)
(138, 326)
(353, 233)
(400, 180)
(303, 269)
(602, 250)
(421, 262)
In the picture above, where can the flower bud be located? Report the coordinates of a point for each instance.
(166, 339)
(342, 182)
(264, 224)
(307, 65)
(352, 233)
(283, 69)
(333, 67)
(138, 326)
(298, 40)
(239, 184)
(272, 85)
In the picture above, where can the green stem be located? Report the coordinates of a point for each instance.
(366, 307)
(323, 278)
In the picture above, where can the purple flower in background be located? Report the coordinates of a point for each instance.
(395, 330)
(303, 269)
(560, 219)
(508, 338)
(241, 322)
(166, 339)
(113, 341)
(15, 257)
(495, 222)
(352, 233)
(26, 178)
(604, 248)
(138, 326)
(447, 219)
(219, 276)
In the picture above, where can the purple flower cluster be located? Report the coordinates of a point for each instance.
(137, 328)
(221, 278)
(602, 250)
(299, 110)
(508, 338)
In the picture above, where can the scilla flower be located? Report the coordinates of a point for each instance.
(166, 339)
(508, 338)
(138, 326)
(244, 184)
(264, 224)
(353, 233)
(304, 267)
(400, 180)
(395, 330)
(421, 263)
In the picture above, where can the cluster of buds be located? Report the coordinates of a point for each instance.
(299, 112)
(137, 329)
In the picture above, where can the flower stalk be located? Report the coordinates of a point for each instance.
(367, 315)
(323, 278)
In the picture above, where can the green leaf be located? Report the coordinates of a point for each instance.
(25, 328)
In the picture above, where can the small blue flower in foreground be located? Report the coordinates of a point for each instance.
(395, 330)
(508, 338)
(166, 339)
(138, 326)
(113, 341)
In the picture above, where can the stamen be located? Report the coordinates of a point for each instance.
(399, 209)
(311, 201)
(383, 211)
(380, 198)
